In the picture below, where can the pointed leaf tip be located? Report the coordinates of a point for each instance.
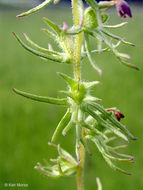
(41, 98)
(35, 9)
(71, 82)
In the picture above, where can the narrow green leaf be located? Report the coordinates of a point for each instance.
(116, 37)
(116, 53)
(119, 147)
(96, 131)
(87, 47)
(93, 4)
(60, 59)
(101, 148)
(54, 26)
(68, 127)
(70, 81)
(104, 17)
(89, 98)
(36, 46)
(108, 160)
(64, 121)
(99, 185)
(90, 84)
(119, 154)
(49, 33)
(106, 4)
(84, 54)
(112, 119)
(106, 152)
(115, 26)
(105, 123)
(37, 8)
(41, 98)
(67, 156)
(128, 64)
(60, 169)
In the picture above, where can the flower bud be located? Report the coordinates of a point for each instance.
(65, 26)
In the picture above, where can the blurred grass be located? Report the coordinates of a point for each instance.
(26, 126)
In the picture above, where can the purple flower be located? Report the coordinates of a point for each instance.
(65, 26)
(123, 9)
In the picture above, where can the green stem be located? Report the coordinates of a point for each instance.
(78, 40)
(77, 7)
(79, 176)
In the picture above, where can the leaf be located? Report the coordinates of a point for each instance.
(116, 37)
(106, 4)
(49, 33)
(90, 84)
(115, 26)
(105, 123)
(104, 17)
(37, 8)
(99, 183)
(96, 131)
(108, 160)
(54, 26)
(60, 59)
(93, 4)
(64, 121)
(87, 47)
(63, 153)
(112, 119)
(116, 53)
(41, 98)
(68, 127)
(38, 47)
(71, 82)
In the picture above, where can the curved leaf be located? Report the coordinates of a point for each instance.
(41, 98)
(37, 8)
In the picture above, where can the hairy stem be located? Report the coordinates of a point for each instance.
(80, 169)
(77, 8)
(78, 40)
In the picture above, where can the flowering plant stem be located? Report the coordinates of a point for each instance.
(77, 76)
(91, 121)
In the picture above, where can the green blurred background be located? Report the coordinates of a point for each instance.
(27, 126)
